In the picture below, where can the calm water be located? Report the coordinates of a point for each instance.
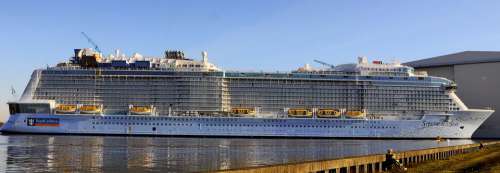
(47, 153)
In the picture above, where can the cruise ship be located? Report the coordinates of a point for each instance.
(177, 96)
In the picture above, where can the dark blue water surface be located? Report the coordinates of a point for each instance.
(48, 153)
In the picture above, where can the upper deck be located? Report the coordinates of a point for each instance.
(175, 63)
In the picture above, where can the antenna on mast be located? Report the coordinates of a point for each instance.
(92, 42)
(13, 93)
(12, 90)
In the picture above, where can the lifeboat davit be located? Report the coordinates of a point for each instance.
(140, 110)
(299, 113)
(91, 109)
(356, 114)
(328, 113)
(66, 109)
(243, 111)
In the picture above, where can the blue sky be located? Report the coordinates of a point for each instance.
(255, 35)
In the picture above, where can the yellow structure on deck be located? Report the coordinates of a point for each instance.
(66, 109)
(356, 114)
(91, 109)
(140, 110)
(243, 111)
(328, 113)
(299, 112)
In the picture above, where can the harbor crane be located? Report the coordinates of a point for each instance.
(324, 63)
(92, 42)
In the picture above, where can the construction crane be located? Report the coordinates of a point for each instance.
(92, 42)
(324, 63)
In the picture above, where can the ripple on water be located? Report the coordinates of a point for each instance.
(48, 153)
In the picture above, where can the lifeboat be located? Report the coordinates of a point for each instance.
(140, 110)
(243, 111)
(355, 114)
(90, 109)
(65, 109)
(299, 112)
(328, 113)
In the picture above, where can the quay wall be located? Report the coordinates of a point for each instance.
(363, 164)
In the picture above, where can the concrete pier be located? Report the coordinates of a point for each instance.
(364, 164)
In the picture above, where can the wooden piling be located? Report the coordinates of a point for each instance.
(364, 164)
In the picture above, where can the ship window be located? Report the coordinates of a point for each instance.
(34, 108)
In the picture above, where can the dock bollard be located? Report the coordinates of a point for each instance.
(391, 162)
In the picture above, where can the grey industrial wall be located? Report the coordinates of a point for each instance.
(478, 87)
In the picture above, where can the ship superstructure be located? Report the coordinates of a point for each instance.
(90, 85)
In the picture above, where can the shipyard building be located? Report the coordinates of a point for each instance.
(477, 76)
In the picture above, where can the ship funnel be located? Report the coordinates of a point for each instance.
(78, 53)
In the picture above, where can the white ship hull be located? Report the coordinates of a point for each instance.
(460, 124)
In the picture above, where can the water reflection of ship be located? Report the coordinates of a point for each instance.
(140, 153)
(3, 153)
(42, 153)
(75, 154)
(51, 154)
